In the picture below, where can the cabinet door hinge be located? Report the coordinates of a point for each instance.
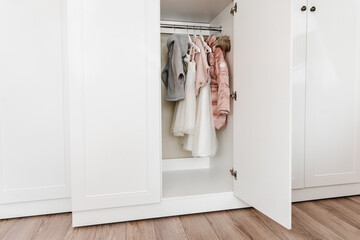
(233, 173)
(233, 10)
(233, 95)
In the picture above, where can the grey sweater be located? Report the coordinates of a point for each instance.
(173, 74)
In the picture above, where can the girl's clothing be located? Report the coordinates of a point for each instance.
(177, 127)
(185, 110)
(190, 96)
(204, 141)
(219, 73)
(202, 76)
(206, 100)
(173, 74)
(190, 103)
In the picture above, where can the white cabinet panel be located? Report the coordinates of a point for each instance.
(298, 83)
(33, 154)
(114, 103)
(332, 89)
(262, 113)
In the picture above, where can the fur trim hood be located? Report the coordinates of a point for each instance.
(223, 42)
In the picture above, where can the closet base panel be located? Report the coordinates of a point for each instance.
(315, 193)
(198, 204)
(167, 207)
(26, 209)
(180, 164)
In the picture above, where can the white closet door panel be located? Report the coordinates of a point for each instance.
(115, 104)
(33, 155)
(298, 84)
(262, 113)
(332, 88)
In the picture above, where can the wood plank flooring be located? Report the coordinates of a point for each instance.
(325, 219)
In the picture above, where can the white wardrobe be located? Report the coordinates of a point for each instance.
(80, 85)
(326, 58)
(34, 116)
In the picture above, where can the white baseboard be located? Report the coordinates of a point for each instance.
(26, 209)
(167, 207)
(316, 193)
(179, 164)
(198, 204)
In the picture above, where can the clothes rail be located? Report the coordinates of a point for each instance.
(192, 27)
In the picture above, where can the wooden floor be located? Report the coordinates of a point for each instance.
(326, 219)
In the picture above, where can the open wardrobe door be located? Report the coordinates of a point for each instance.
(262, 112)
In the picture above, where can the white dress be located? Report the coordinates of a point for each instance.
(204, 142)
(185, 110)
(190, 98)
(177, 127)
(190, 104)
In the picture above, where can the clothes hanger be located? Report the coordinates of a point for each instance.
(192, 50)
(197, 49)
(206, 46)
(194, 34)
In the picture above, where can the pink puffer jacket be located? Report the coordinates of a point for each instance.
(219, 73)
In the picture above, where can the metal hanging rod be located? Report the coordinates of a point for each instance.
(191, 27)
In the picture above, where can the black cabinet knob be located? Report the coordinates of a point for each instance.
(313, 9)
(303, 9)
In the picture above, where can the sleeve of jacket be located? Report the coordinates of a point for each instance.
(224, 89)
(177, 64)
(165, 74)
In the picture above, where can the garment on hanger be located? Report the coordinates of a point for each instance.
(190, 103)
(190, 95)
(202, 64)
(219, 73)
(177, 127)
(185, 110)
(204, 140)
(173, 74)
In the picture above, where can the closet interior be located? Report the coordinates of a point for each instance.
(183, 174)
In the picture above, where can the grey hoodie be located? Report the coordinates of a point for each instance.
(173, 74)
